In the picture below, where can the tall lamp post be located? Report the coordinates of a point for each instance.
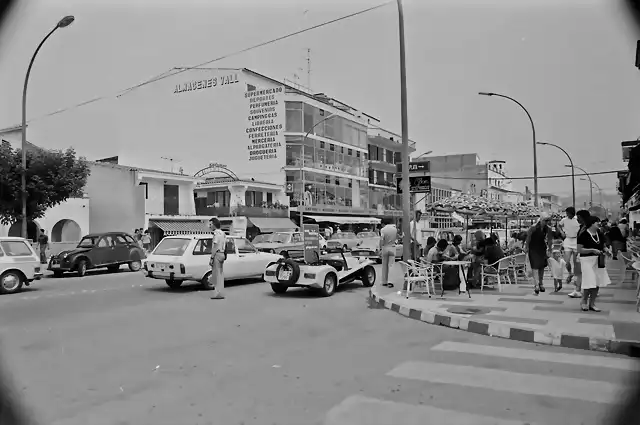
(423, 154)
(597, 187)
(533, 130)
(406, 196)
(64, 22)
(304, 139)
(573, 171)
(590, 184)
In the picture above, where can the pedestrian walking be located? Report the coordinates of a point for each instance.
(591, 247)
(569, 227)
(388, 237)
(582, 216)
(146, 241)
(538, 248)
(43, 245)
(558, 265)
(218, 256)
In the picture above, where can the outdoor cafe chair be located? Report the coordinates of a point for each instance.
(416, 274)
(498, 271)
(518, 265)
(437, 270)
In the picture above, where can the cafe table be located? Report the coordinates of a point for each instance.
(462, 265)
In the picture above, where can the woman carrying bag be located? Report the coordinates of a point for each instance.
(591, 247)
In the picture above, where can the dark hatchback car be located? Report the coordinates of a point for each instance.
(110, 250)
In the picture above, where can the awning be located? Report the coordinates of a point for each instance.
(345, 219)
(273, 224)
(181, 227)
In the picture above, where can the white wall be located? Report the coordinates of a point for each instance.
(154, 204)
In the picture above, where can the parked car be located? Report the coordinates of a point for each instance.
(19, 264)
(366, 237)
(344, 240)
(182, 258)
(279, 242)
(101, 250)
(370, 249)
(329, 271)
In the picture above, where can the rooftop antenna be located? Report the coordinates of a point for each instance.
(309, 69)
(171, 161)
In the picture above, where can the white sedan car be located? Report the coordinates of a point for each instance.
(19, 264)
(182, 258)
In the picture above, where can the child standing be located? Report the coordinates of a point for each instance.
(557, 264)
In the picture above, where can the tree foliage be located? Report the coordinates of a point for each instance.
(52, 178)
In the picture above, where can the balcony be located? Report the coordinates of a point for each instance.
(268, 210)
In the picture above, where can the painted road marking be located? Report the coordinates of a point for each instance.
(358, 410)
(513, 382)
(537, 355)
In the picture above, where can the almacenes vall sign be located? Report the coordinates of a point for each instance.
(206, 84)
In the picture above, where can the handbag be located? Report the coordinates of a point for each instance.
(601, 261)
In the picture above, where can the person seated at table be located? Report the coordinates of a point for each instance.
(455, 249)
(450, 273)
(431, 242)
(477, 258)
(492, 252)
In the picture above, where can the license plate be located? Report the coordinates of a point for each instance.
(162, 266)
(284, 275)
(55, 266)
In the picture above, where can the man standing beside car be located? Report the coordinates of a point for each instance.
(218, 256)
(388, 237)
(43, 244)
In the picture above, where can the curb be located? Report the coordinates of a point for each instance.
(502, 330)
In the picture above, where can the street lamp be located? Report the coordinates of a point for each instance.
(406, 196)
(423, 154)
(590, 184)
(597, 187)
(573, 171)
(533, 129)
(304, 139)
(64, 22)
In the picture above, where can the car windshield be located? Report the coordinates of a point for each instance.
(281, 237)
(88, 242)
(172, 246)
(244, 246)
(264, 238)
(363, 235)
(344, 235)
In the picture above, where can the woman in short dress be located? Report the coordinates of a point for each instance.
(591, 245)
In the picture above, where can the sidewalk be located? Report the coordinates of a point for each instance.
(515, 313)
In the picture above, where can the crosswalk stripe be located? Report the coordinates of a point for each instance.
(537, 355)
(358, 410)
(500, 380)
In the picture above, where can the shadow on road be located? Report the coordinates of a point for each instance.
(197, 287)
(296, 293)
(98, 272)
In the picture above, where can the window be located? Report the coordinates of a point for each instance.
(390, 158)
(250, 87)
(120, 240)
(244, 246)
(296, 238)
(146, 189)
(231, 247)
(129, 239)
(350, 152)
(293, 120)
(397, 157)
(87, 242)
(203, 247)
(105, 242)
(16, 248)
(308, 118)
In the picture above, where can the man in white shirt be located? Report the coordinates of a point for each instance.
(569, 227)
(218, 257)
(415, 241)
(388, 237)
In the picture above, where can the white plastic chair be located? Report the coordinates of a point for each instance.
(518, 264)
(416, 274)
(498, 271)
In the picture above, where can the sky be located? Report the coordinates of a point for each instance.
(570, 62)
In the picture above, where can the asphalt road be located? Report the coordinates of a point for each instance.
(120, 349)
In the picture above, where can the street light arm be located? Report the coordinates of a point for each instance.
(33, 58)
(573, 171)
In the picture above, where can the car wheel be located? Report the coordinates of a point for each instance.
(173, 284)
(135, 265)
(58, 273)
(11, 282)
(329, 286)
(206, 283)
(279, 288)
(368, 276)
(82, 268)
(114, 269)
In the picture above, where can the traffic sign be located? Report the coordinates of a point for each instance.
(419, 166)
(417, 184)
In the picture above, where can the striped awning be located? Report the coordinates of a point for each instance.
(181, 227)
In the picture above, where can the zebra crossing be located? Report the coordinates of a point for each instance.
(461, 383)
